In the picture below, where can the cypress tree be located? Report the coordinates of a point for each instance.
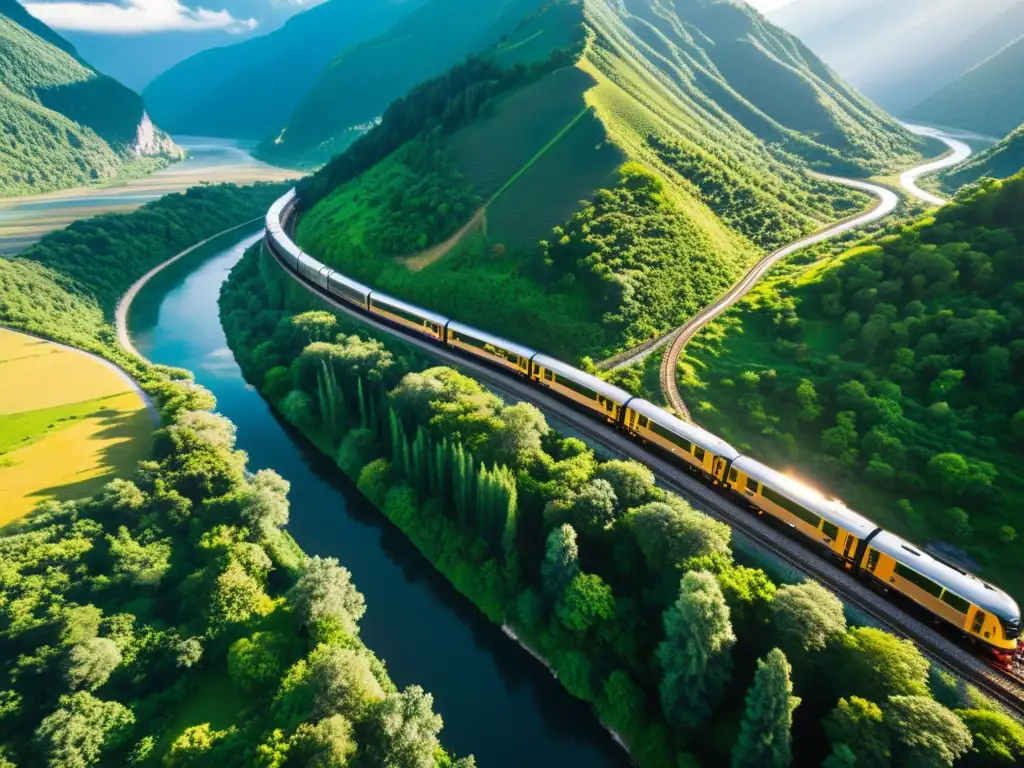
(420, 460)
(364, 411)
(765, 740)
(399, 449)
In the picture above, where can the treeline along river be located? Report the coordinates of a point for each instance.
(497, 702)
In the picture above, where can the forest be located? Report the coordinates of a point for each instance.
(890, 371)
(643, 606)
(170, 620)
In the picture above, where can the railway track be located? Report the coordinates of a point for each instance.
(747, 527)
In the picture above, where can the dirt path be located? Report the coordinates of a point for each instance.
(424, 259)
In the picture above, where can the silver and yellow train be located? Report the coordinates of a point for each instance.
(982, 612)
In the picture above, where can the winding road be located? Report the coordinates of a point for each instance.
(888, 201)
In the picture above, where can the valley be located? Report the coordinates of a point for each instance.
(794, 225)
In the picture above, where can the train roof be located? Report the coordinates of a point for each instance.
(602, 388)
(490, 338)
(833, 510)
(967, 585)
(426, 314)
(309, 261)
(684, 429)
(349, 283)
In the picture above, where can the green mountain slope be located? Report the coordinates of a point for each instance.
(16, 12)
(890, 373)
(999, 161)
(989, 98)
(603, 176)
(358, 85)
(249, 89)
(63, 123)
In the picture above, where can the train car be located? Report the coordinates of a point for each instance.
(825, 521)
(493, 349)
(597, 396)
(983, 612)
(702, 451)
(349, 290)
(408, 315)
(309, 268)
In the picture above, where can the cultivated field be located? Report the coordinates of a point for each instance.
(68, 424)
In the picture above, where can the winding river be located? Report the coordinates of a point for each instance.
(497, 702)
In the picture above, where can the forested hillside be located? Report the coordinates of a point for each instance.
(63, 124)
(248, 90)
(999, 161)
(890, 373)
(688, 138)
(989, 98)
(897, 53)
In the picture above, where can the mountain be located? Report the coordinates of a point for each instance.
(900, 53)
(358, 85)
(249, 89)
(599, 174)
(63, 124)
(999, 161)
(988, 98)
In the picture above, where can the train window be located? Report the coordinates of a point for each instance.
(872, 560)
(803, 513)
(549, 375)
(698, 453)
(830, 530)
(752, 485)
(979, 622)
(955, 602)
(644, 421)
(733, 475)
(915, 578)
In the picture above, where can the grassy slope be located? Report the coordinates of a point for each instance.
(998, 162)
(988, 98)
(223, 91)
(763, 414)
(538, 151)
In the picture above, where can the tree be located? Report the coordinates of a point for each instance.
(841, 756)
(238, 597)
(594, 507)
(298, 409)
(81, 623)
(342, 682)
(325, 591)
(1007, 534)
(257, 661)
(91, 663)
(140, 565)
(328, 744)
(670, 534)
(998, 738)
(193, 746)
(264, 502)
(521, 428)
(631, 481)
(924, 733)
(764, 739)
(561, 561)
(696, 653)
(188, 652)
(957, 524)
(879, 665)
(624, 700)
(807, 617)
(403, 730)
(857, 725)
(807, 399)
(81, 728)
(586, 601)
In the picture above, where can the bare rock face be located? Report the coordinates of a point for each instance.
(150, 141)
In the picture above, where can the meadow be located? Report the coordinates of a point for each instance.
(68, 424)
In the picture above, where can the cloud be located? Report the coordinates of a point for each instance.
(135, 17)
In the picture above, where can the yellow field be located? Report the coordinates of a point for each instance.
(68, 424)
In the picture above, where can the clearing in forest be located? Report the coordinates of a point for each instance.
(68, 424)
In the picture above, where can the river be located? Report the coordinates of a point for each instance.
(23, 220)
(497, 702)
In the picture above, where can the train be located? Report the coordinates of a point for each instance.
(982, 613)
